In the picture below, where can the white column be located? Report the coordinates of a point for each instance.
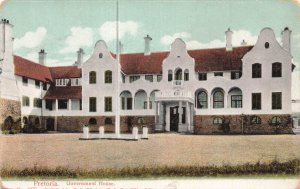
(56, 104)
(180, 113)
(188, 116)
(167, 118)
(156, 113)
(69, 104)
(192, 117)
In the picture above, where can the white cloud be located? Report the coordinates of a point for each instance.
(237, 38)
(168, 39)
(31, 39)
(108, 30)
(79, 37)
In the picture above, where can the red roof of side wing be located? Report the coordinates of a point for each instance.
(205, 60)
(27, 68)
(67, 92)
(65, 72)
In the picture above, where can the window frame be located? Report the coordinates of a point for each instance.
(37, 103)
(256, 70)
(218, 101)
(108, 76)
(92, 77)
(255, 120)
(236, 100)
(25, 101)
(92, 104)
(276, 101)
(25, 81)
(202, 101)
(218, 74)
(149, 78)
(62, 104)
(276, 69)
(256, 102)
(108, 104)
(202, 76)
(217, 121)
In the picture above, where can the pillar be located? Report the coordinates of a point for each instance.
(69, 104)
(188, 116)
(180, 114)
(56, 104)
(167, 118)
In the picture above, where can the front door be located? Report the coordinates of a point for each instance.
(174, 118)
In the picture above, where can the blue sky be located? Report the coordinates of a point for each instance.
(61, 26)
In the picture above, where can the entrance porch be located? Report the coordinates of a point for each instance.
(174, 112)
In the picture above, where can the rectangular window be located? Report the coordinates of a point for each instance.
(44, 86)
(256, 101)
(37, 84)
(186, 76)
(202, 76)
(129, 103)
(236, 101)
(37, 102)
(149, 78)
(93, 104)
(133, 78)
(216, 74)
(123, 103)
(108, 104)
(62, 104)
(123, 78)
(276, 101)
(24, 80)
(145, 105)
(25, 101)
(159, 78)
(170, 77)
(49, 104)
(236, 74)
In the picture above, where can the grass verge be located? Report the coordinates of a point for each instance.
(288, 168)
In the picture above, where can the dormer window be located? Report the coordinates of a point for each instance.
(24, 80)
(218, 74)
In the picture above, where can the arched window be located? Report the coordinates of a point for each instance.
(108, 76)
(218, 99)
(25, 120)
(186, 75)
(126, 100)
(256, 70)
(37, 121)
(178, 74)
(92, 121)
(170, 75)
(275, 120)
(255, 120)
(152, 99)
(235, 95)
(108, 121)
(140, 100)
(276, 69)
(92, 77)
(202, 100)
(217, 121)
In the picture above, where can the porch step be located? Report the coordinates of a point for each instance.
(296, 130)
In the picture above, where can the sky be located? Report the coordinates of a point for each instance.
(61, 27)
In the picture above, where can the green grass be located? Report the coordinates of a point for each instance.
(272, 169)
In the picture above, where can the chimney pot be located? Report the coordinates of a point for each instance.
(228, 34)
(42, 57)
(147, 45)
(286, 39)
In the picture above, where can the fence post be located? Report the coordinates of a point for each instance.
(101, 131)
(135, 133)
(86, 131)
(145, 132)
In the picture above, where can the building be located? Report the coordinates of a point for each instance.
(245, 89)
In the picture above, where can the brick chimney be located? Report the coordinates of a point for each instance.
(147, 45)
(228, 34)
(42, 57)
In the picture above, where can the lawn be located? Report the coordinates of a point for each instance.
(65, 150)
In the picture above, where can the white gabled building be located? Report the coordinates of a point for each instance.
(234, 90)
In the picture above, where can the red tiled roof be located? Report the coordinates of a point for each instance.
(27, 68)
(65, 72)
(205, 60)
(67, 92)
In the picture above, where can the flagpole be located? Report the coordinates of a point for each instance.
(117, 108)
